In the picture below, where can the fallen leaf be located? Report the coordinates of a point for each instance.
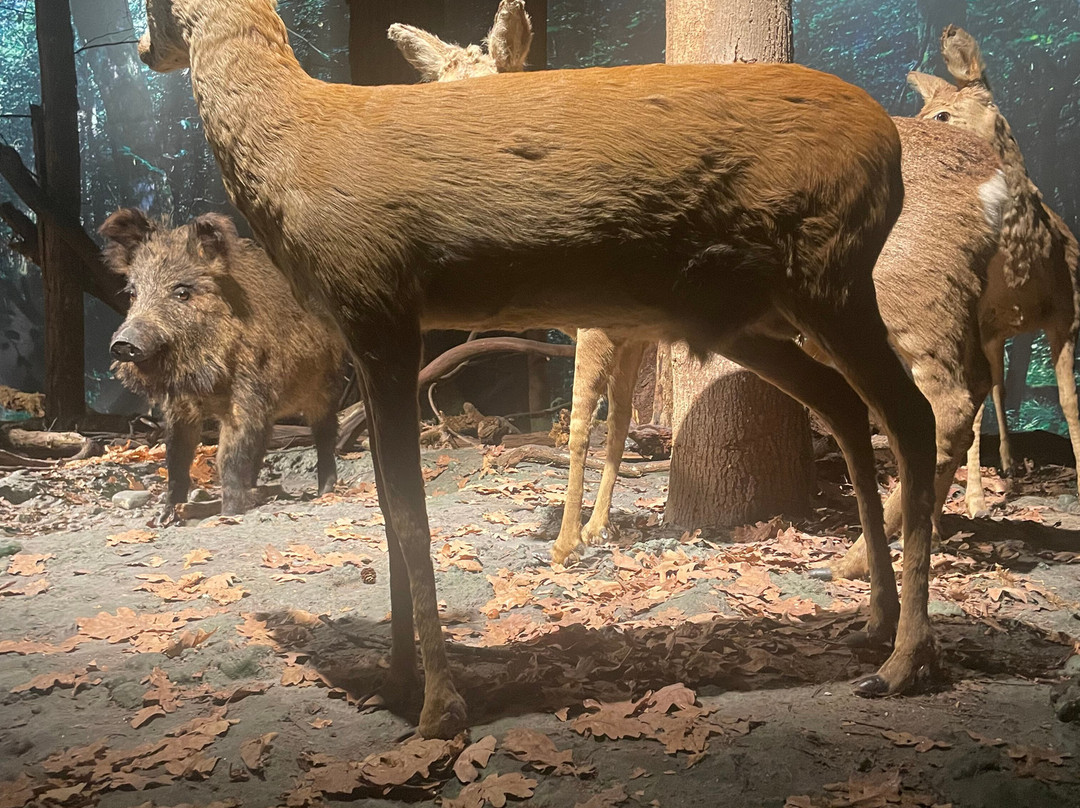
(475, 757)
(28, 563)
(540, 752)
(136, 536)
(921, 743)
(197, 556)
(494, 789)
(26, 588)
(255, 750)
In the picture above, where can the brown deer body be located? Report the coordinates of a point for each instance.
(1034, 283)
(750, 200)
(929, 279)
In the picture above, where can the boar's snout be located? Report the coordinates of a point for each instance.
(132, 344)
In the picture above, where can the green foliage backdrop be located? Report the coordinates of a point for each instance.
(143, 143)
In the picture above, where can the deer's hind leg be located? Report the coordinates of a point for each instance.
(1063, 352)
(594, 362)
(852, 333)
(620, 403)
(823, 389)
(955, 398)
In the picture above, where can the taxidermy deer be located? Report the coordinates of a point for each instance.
(929, 279)
(733, 206)
(1034, 283)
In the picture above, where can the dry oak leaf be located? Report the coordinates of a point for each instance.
(18, 793)
(458, 554)
(613, 721)
(75, 680)
(187, 639)
(921, 743)
(498, 518)
(199, 555)
(148, 633)
(495, 789)
(474, 758)
(540, 752)
(254, 751)
(136, 536)
(27, 588)
(608, 798)
(28, 563)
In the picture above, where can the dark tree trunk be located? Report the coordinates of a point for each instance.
(59, 173)
(741, 448)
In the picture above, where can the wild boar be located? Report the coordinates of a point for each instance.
(215, 331)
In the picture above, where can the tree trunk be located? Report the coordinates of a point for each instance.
(742, 449)
(57, 148)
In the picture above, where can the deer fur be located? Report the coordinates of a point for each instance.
(929, 280)
(732, 206)
(1033, 285)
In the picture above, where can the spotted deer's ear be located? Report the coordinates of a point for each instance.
(424, 51)
(211, 236)
(125, 231)
(509, 39)
(927, 85)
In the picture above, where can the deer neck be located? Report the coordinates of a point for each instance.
(246, 83)
(1025, 231)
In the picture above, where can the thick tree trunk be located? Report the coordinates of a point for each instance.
(60, 176)
(741, 448)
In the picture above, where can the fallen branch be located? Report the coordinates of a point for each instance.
(549, 455)
(10, 460)
(46, 444)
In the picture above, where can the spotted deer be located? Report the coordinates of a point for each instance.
(1033, 284)
(732, 206)
(929, 281)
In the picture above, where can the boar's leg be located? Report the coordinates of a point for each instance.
(391, 364)
(240, 451)
(182, 432)
(324, 432)
(260, 454)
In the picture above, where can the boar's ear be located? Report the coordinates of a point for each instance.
(211, 235)
(424, 51)
(125, 230)
(509, 39)
(927, 85)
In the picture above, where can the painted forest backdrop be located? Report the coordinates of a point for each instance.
(142, 142)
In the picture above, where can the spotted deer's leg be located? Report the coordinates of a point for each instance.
(620, 403)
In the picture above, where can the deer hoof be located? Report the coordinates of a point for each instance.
(871, 687)
(443, 718)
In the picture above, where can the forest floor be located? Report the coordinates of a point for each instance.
(230, 662)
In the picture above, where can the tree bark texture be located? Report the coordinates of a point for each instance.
(742, 449)
(721, 31)
(59, 173)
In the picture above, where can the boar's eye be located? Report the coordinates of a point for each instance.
(944, 117)
(182, 293)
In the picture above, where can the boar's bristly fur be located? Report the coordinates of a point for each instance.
(214, 331)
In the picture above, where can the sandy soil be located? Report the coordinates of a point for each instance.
(285, 612)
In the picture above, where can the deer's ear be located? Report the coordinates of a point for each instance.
(962, 56)
(424, 51)
(509, 39)
(927, 85)
(124, 231)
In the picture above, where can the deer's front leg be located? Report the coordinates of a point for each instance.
(593, 364)
(620, 404)
(391, 369)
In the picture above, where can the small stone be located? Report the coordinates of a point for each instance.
(1072, 665)
(199, 495)
(130, 500)
(17, 488)
(1066, 501)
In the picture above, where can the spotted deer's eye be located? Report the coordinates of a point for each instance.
(182, 293)
(944, 117)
